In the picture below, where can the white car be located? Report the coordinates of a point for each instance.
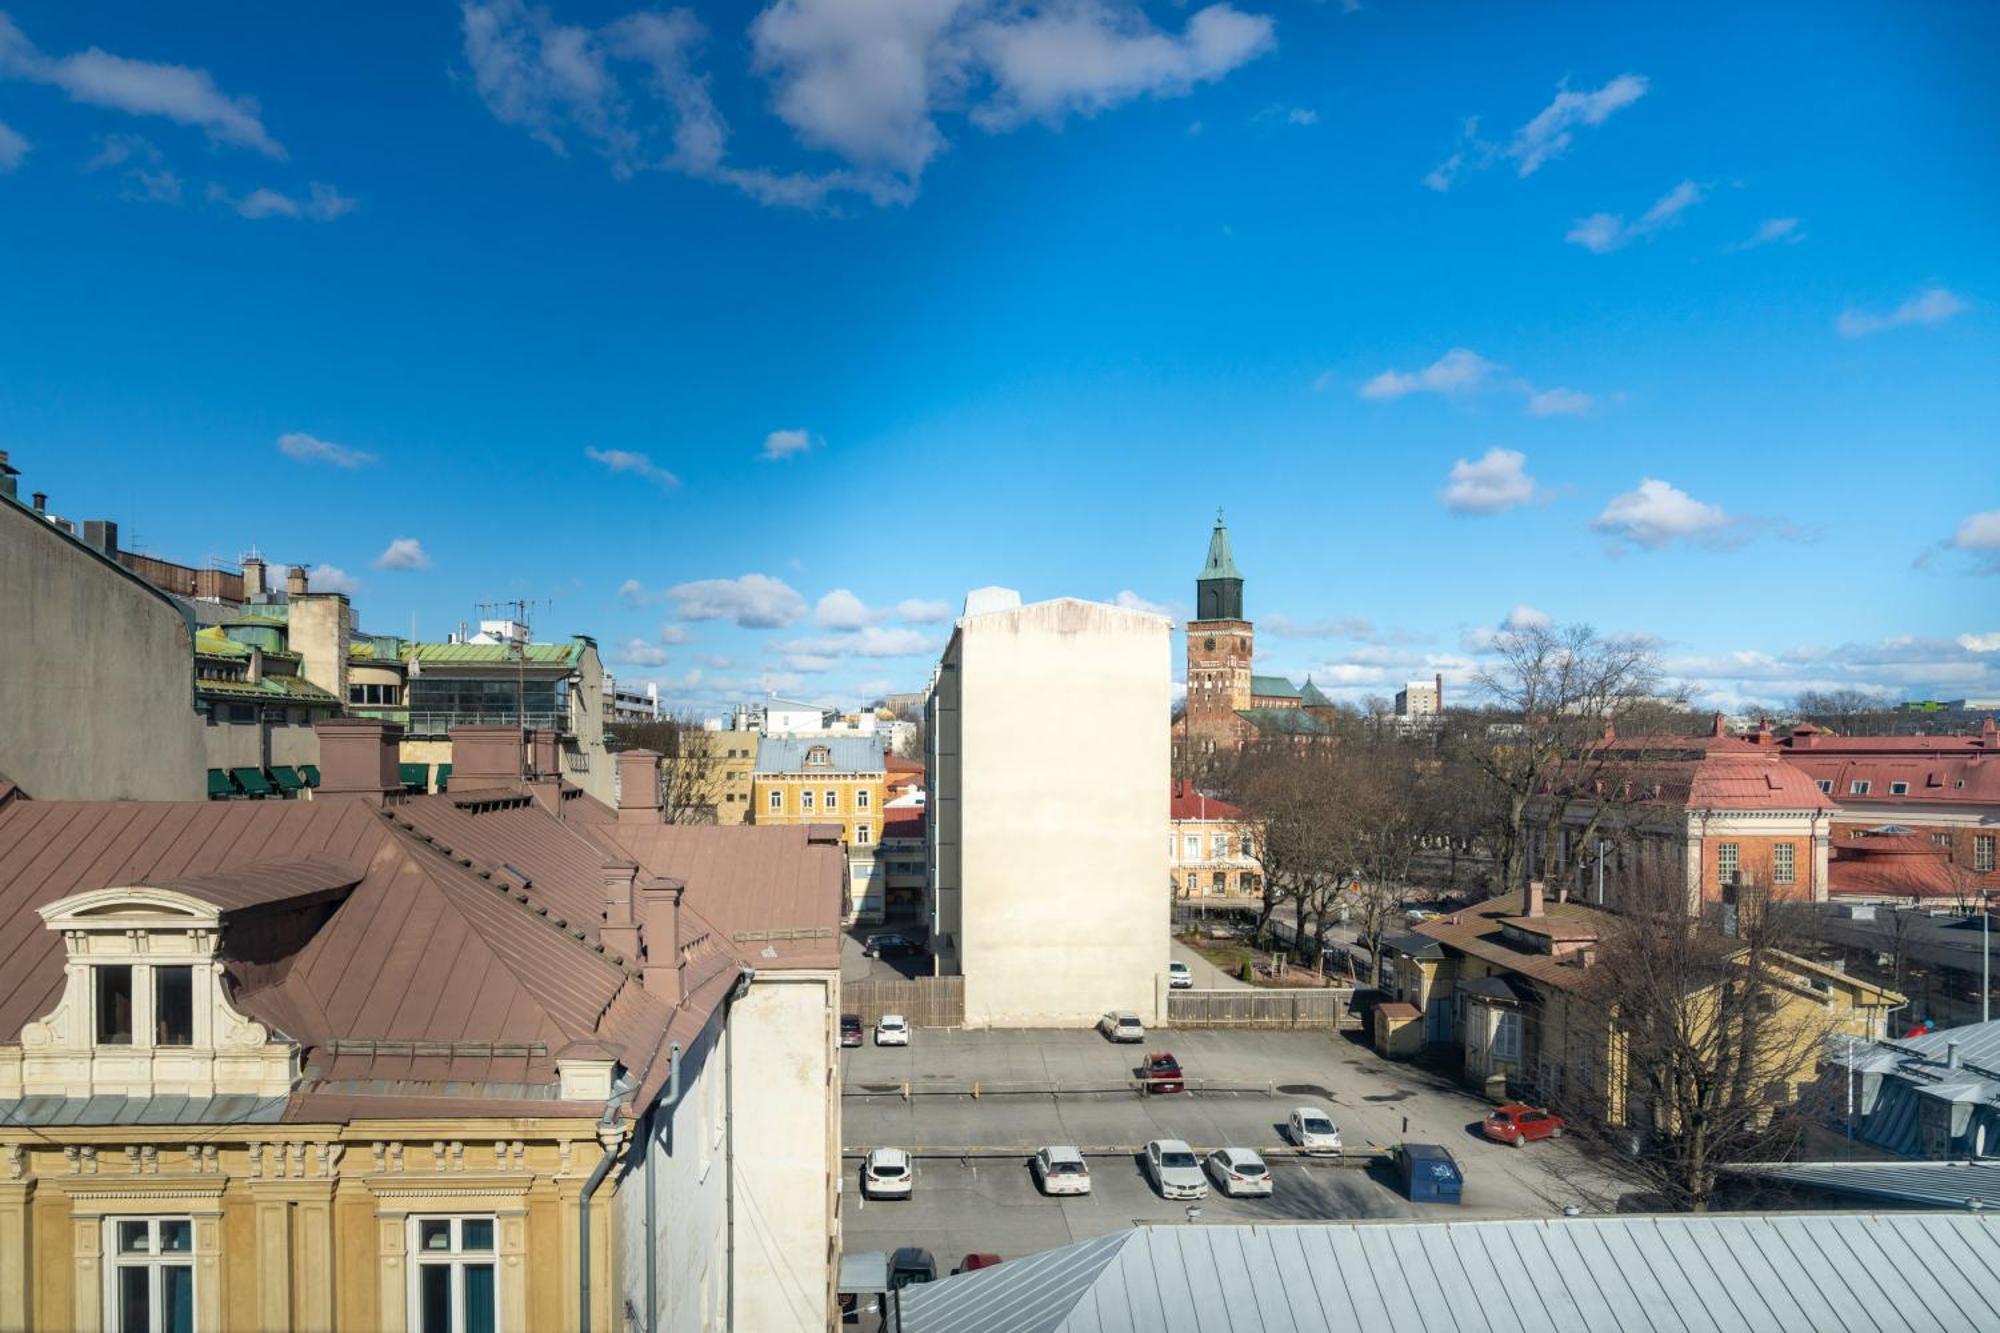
(1239, 1173)
(1122, 1027)
(1175, 1171)
(888, 1174)
(893, 1030)
(1060, 1171)
(1179, 975)
(1313, 1131)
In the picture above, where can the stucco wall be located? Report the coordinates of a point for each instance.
(690, 1174)
(96, 675)
(784, 1133)
(1063, 904)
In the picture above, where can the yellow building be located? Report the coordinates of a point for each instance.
(821, 780)
(714, 771)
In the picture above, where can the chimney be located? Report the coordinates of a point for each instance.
(485, 757)
(620, 932)
(295, 584)
(101, 536)
(1438, 680)
(358, 757)
(255, 671)
(1717, 728)
(544, 753)
(41, 501)
(660, 934)
(1531, 898)
(1763, 736)
(639, 787)
(253, 578)
(1951, 1060)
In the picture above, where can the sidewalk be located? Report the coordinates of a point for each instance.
(1207, 976)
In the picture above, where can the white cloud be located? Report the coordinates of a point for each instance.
(871, 641)
(1978, 535)
(1980, 643)
(1551, 132)
(1657, 513)
(1283, 626)
(1769, 232)
(672, 633)
(916, 611)
(634, 593)
(1559, 403)
(1906, 666)
(754, 601)
(403, 553)
(1496, 482)
(637, 652)
(1601, 233)
(1524, 616)
(1300, 115)
(1132, 601)
(625, 462)
(782, 444)
(1458, 371)
(842, 610)
(304, 448)
(1933, 305)
(332, 578)
(139, 87)
(322, 203)
(13, 148)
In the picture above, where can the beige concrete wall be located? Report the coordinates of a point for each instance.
(588, 764)
(784, 1136)
(316, 628)
(1062, 911)
(96, 675)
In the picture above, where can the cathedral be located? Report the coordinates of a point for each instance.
(1228, 703)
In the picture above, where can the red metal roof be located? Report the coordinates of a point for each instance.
(903, 821)
(1188, 803)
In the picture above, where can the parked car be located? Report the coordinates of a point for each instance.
(972, 1263)
(1060, 1170)
(1419, 915)
(888, 1174)
(1174, 1171)
(1122, 1027)
(1521, 1125)
(1313, 1131)
(890, 944)
(893, 1030)
(1429, 1173)
(1240, 1173)
(1179, 975)
(910, 1266)
(1162, 1073)
(850, 1029)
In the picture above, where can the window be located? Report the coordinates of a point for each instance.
(860, 835)
(1725, 862)
(805, 798)
(1221, 881)
(1941, 839)
(149, 1274)
(861, 799)
(114, 1005)
(1899, 789)
(1193, 881)
(1221, 846)
(452, 1287)
(1982, 852)
(1859, 787)
(1507, 1036)
(832, 800)
(777, 800)
(1193, 847)
(1826, 786)
(1782, 868)
(173, 1006)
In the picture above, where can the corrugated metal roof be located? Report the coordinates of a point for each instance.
(1925, 1184)
(54, 1112)
(498, 654)
(1727, 1272)
(846, 754)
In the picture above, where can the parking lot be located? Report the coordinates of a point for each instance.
(973, 1188)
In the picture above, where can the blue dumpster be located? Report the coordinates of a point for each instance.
(1430, 1173)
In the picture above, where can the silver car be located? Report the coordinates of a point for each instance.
(1122, 1027)
(1175, 1171)
(1240, 1173)
(1060, 1170)
(888, 1174)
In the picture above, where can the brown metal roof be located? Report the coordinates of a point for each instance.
(265, 884)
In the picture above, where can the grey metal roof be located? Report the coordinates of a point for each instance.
(48, 1112)
(1925, 1184)
(850, 754)
(1896, 1077)
(1726, 1272)
(1978, 1045)
(1414, 945)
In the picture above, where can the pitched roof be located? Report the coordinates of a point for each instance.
(1272, 687)
(1481, 932)
(848, 754)
(1730, 1272)
(1936, 778)
(1286, 721)
(903, 821)
(498, 654)
(1311, 696)
(1189, 803)
(1917, 1184)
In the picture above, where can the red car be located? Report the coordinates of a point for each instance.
(1162, 1073)
(850, 1029)
(1521, 1125)
(972, 1263)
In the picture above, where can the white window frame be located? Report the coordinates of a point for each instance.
(1728, 861)
(116, 1262)
(1899, 789)
(832, 801)
(860, 835)
(1507, 1036)
(805, 800)
(1784, 863)
(1982, 851)
(777, 798)
(861, 798)
(456, 1257)
(1859, 787)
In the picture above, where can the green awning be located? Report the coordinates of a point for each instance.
(311, 774)
(444, 777)
(219, 785)
(286, 777)
(417, 777)
(252, 781)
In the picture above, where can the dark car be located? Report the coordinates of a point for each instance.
(850, 1029)
(910, 1266)
(974, 1262)
(1162, 1073)
(889, 944)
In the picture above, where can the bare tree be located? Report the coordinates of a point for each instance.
(692, 775)
(1290, 794)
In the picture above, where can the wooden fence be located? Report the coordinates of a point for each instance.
(1262, 1008)
(927, 1002)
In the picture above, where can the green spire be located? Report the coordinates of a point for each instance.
(1221, 564)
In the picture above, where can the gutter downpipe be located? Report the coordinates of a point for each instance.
(605, 1123)
(666, 1102)
(736, 993)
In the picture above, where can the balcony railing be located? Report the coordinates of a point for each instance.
(428, 723)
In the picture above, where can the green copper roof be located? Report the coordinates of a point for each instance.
(1221, 564)
(1273, 687)
(1285, 721)
(499, 654)
(1310, 696)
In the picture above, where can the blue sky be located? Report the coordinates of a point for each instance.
(749, 340)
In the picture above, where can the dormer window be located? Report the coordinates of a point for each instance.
(1899, 789)
(114, 1004)
(1859, 787)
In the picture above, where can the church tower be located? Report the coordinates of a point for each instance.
(1218, 647)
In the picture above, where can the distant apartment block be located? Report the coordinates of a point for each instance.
(1421, 698)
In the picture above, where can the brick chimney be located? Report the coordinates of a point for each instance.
(1531, 898)
(358, 756)
(544, 752)
(485, 757)
(620, 931)
(638, 787)
(295, 581)
(660, 934)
